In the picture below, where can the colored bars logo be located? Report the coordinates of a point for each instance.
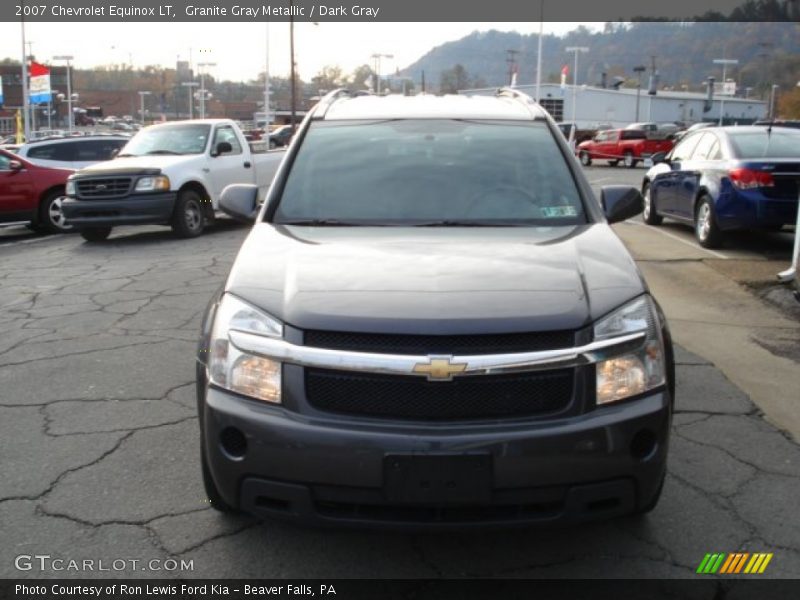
(731, 564)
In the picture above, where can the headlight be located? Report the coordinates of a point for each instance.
(238, 371)
(70, 190)
(158, 183)
(639, 371)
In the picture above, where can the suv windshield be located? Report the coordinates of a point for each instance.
(174, 139)
(430, 172)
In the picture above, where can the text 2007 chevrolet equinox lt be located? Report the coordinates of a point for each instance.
(433, 325)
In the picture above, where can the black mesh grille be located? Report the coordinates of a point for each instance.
(440, 344)
(110, 187)
(410, 397)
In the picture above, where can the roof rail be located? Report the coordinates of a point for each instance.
(509, 92)
(327, 100)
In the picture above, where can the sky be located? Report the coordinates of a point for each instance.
(239, 50)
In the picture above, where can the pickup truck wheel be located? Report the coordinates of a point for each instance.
(628, 160)
(706, 229)
(51, 217)
(649, 214)
(586, 159)
(188, 218)
(96, 234)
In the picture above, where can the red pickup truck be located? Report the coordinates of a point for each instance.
(31, 193)
(626, 145)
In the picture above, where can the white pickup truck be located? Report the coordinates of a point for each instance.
(171, 174)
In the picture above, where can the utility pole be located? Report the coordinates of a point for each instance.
(292, 75)
(511, 60)
(377, 58)
(266, 84)
(70, 116)
(25, 99)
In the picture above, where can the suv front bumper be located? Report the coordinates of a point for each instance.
(131, 210)
(273, 462)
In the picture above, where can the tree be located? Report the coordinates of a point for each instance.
(329, 78)
(454, 79)
(789, 104)
(361, 79)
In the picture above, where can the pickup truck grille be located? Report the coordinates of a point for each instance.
(440, 344)
(111, 187)
(464, 398)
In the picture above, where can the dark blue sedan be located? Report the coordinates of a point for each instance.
(725, 178)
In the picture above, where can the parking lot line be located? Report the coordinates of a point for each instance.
(681, 240)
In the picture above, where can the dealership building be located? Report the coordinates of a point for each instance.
(595, 106)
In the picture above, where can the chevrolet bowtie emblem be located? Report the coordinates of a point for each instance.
(440, 368)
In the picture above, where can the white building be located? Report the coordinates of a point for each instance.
(617, 108)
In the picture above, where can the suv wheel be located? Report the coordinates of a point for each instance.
(188, 218)
(51, 217)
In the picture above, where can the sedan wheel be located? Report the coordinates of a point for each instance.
(705, 225)
(649, 214)
(51, 214)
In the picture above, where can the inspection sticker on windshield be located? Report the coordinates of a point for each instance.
(556, 212)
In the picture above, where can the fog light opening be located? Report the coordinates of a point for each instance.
(233, 442)
(643, 444)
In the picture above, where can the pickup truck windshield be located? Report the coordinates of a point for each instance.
(169, 139)
(429, 172)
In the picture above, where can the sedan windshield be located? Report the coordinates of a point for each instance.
(170, 139)
(780, 143)
(430, 172)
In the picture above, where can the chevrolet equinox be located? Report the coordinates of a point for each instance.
(432, 324)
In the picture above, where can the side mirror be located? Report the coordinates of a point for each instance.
(15, 165)
(621, 202)
(222, 148)
(658, 157)
(239, 200)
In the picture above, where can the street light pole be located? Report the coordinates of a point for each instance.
(539, 55)
(377, 57)
(577, 50)
(141, 104)
(203, 86)
(775, 87)
(266, 85)
(724, 62)
(638, 70)
(70, 119)
(191, 85)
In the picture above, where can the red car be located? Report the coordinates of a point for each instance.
(628, 145)
(31, 193)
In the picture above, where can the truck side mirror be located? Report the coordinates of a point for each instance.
(222, 148)
(621, 202)
(15, 165)
(239, 200)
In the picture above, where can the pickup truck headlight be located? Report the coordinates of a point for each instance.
(158, 183)
(635, 373)
(70, 188)
(238, 371)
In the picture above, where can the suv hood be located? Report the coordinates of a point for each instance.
(435, 280)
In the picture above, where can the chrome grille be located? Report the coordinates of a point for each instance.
(110, 187)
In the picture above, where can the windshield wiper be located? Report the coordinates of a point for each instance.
(457, 223)
(164, 152)
(320, 223)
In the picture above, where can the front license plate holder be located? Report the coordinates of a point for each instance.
(438, 478)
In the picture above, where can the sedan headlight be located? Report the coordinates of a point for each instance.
(158, 183)
(636, 372)
(238, 371)
(70, 189)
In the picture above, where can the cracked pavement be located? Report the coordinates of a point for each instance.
(100, 446)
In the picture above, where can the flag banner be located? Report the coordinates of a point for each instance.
(40, 84)
(564, 73)
(1, 92)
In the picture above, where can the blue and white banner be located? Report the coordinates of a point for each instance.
(1, 92)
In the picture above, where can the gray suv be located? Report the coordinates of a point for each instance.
(431, 324)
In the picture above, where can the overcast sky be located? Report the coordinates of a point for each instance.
(239, 49)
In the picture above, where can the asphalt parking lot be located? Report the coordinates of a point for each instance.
(100, 444)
